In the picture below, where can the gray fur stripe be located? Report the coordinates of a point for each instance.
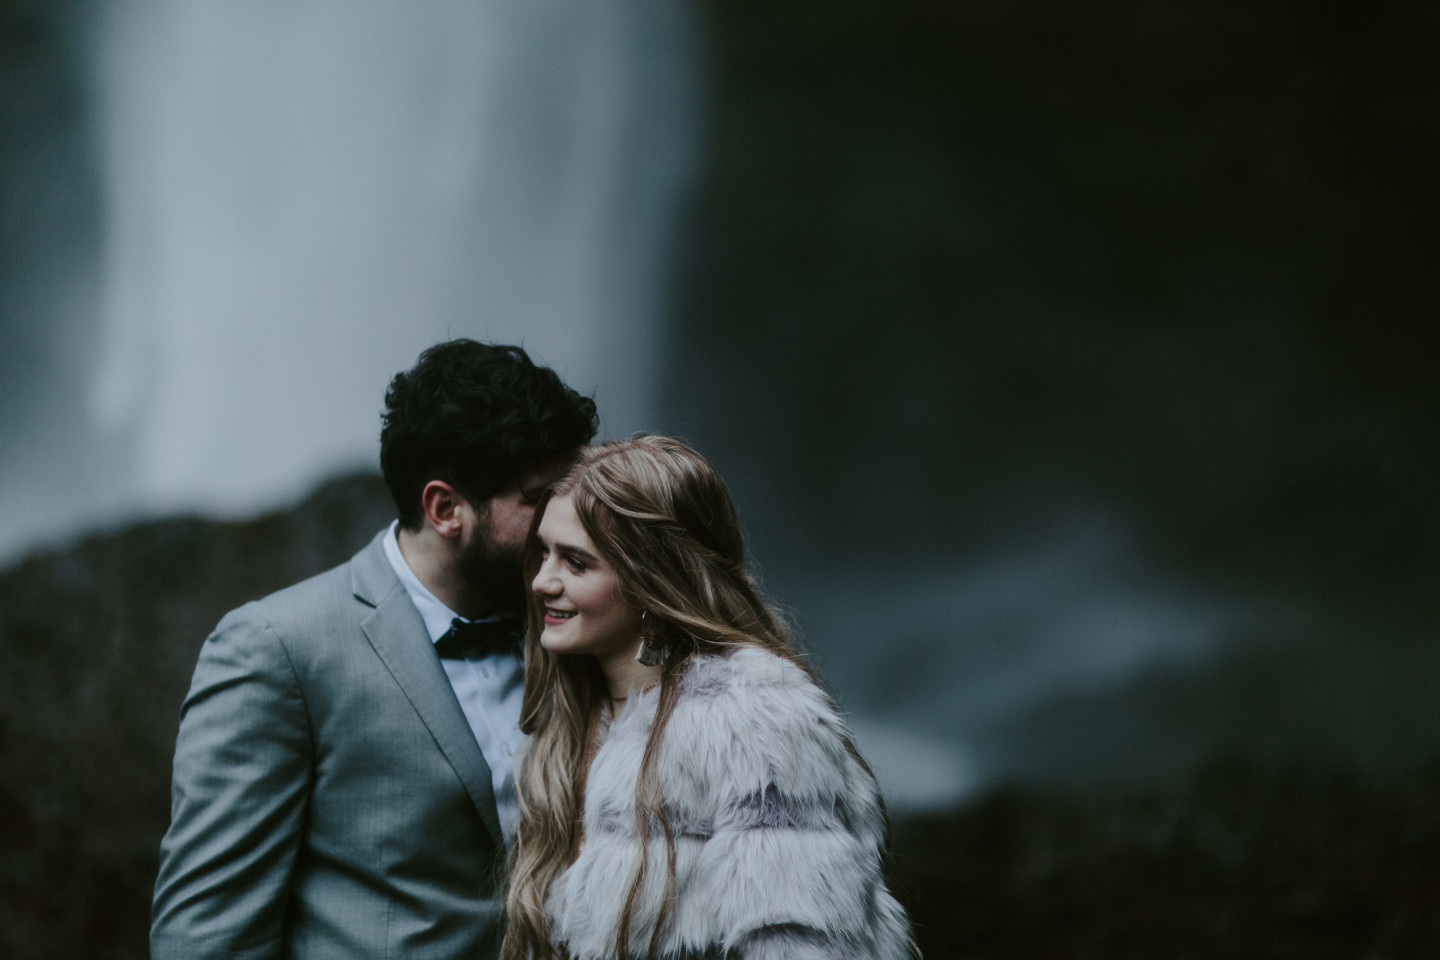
(622, 823)
(788, 941)
(771, 809)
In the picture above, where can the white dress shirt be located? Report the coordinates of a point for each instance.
(489, 689)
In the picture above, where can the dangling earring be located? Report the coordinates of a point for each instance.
(649, 654)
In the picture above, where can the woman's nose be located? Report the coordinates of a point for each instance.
(544, 583)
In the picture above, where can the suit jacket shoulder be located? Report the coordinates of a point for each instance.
(334, 599)
(329, 798)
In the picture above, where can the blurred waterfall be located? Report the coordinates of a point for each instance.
(299, 196)
(939, 655)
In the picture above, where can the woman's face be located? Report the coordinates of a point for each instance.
(585, 609)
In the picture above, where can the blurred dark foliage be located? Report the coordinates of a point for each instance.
(1243, 862)
(97, 643)
(962, 269)
(959, 263)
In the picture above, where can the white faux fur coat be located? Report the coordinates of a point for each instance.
(777, 828)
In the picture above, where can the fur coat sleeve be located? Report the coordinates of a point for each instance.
(777, 828)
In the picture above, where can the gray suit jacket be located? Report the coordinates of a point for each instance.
(329, 798)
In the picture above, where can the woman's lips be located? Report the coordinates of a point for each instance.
(556, 617)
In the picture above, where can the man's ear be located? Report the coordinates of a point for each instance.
(443, 507)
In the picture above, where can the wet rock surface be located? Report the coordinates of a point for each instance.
(1241, 860)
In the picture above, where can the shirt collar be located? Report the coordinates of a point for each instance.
(436, 615)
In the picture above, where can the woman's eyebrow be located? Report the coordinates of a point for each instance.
(577, 551)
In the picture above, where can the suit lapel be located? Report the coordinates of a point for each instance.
(398, 635)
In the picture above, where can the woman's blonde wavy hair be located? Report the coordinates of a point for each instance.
(661, 516)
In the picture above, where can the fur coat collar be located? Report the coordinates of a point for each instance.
(778, 829)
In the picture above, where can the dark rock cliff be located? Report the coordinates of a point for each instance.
(97, 642)
(99, 639)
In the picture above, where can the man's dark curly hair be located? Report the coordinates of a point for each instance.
(477, 416)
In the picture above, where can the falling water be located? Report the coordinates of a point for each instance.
(299, 196)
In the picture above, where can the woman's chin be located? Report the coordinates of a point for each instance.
(551, 642)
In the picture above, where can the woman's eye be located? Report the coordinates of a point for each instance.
(575, 565)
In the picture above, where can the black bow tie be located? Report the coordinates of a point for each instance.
(472, 639)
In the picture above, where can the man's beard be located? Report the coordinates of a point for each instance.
(493, 569)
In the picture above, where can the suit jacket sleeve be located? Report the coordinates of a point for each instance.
(242, 779)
